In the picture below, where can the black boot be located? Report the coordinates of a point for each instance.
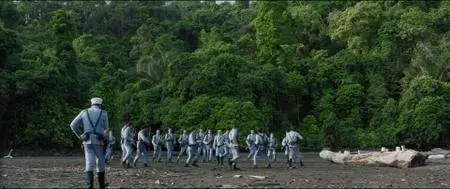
(234, 166)
(218, 160)
(301, 163)
(290, 163)
(221, 161)
(230, 162)
(101, 180)
(195, 163)
(90, 179)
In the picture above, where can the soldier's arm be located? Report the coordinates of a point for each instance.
(106, 122)
(154, 140)
(76, 123)
(146, 139)
(205, 139)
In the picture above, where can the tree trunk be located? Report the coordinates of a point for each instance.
(400, 159)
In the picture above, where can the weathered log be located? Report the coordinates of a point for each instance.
(436, 151)
(399, 159)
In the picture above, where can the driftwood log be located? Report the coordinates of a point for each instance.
(436, 153)
(399, 159)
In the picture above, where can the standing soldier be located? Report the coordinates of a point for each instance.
(208, 142)
(251, 138)
(192, 149)
(220, 147)
(127, 139)
(109, 149)
(201, 148)
(272, 148)
(95, 138)
(156, 141)
(286, 148)
(293, 139)
(234, 147)
(170, 141)
(183, 141)
(142, 146)
(261, 143)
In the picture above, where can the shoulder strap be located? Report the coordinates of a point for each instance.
(94, 127)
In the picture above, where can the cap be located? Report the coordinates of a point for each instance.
(96, 100)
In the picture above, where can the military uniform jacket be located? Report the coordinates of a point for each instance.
(127, 135)
(143, 138)
(183, 140)
(156, 140)
(251, 139)
(208, 140)
(272, 143)
(199, 139)
(293, 138)
(192, 141)
(234, 137)
(99, 120)
(170, 139)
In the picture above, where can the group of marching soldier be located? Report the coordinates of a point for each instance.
(92, 126)
(198, 145)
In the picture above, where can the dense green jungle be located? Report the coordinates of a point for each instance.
(347, 74)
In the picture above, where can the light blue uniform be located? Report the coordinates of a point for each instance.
(220, 146)
(261, 141)
(127, 141)
(200, 146)
(109, 149)
(183, 140)
(251, 144)
(94, 145)
(293, 139)
(156, 141)
(285, 146)
(272, 148)
(170, 142)
(234, 144)
(142, 146)
(208, 141)
(192, 148)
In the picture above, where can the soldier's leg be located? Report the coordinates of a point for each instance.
(145, 154)
(286, 153)
(204, 153)
(274, 154)
(100, 157)
(189, 153)
(138, 154)
(195, 157)
(292, 157)
(182, 151)
(255, 156)
(170, 153)
(128, 155)
(266, 157)
(89, 155)
(300, 156)
(159, 153)
(235, 155)
(210, 150)
(198, 151)
(124, 152)
(108, 154)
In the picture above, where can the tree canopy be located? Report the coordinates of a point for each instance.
(346, 73)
